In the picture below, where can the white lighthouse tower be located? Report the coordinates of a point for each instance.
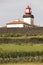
(28, 17)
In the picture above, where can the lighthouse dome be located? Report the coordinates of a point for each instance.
(28, 17)
(28, 7)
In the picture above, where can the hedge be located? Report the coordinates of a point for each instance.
(21, 57)
(20, 54)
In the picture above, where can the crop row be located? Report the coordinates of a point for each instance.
(19, 54)
(21, 40)
(21, 57)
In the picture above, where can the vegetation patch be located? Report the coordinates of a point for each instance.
(22, 39)
(21, 53)
(20, 48)
(22, 64)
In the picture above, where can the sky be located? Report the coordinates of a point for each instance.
(14, 9)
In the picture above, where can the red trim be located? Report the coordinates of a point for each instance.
(17, 22)
(28, 7)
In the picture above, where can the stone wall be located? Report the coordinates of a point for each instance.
(23, 31)
(21, 41)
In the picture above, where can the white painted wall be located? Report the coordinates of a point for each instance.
(32, 21)
(14, 25)
(27, 20)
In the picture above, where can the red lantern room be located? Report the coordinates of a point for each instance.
(28, 10)
(28, 17)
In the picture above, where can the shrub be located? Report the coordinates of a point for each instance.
(20, 54)
(18, 35)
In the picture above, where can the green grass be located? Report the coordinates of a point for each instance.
(20, 48)
(23, 37)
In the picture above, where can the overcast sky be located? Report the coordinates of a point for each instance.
(14, 9)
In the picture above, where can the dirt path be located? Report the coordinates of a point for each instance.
(22, 64)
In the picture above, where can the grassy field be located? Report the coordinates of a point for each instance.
(20, 48)
(22, 64)
(21, 37)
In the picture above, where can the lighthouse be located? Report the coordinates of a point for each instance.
(28, 17)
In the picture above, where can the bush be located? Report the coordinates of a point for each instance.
(20, 54)
(18, 35)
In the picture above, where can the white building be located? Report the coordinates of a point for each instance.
(28, 17)
(28, 20)
(17, 24)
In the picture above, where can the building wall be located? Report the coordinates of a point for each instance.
(32, 21)
(27, 20)
(14, 25)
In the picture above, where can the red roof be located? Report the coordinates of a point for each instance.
(17, 22)
(36, 26)
(28, 7)
(4, 27)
